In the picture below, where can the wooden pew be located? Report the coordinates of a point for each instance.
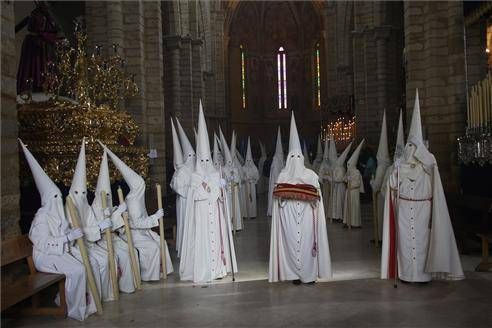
(29, 286)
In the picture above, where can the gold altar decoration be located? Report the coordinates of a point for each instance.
(342, 129)
(53, 129)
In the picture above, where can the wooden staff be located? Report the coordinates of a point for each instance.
(129, 241)
(85, 258)
(108, 235)
(161, 232)
(233, 207)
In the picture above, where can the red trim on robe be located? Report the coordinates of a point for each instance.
(392, 241)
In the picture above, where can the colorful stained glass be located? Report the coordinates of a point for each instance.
(318, 78)
(243, 78)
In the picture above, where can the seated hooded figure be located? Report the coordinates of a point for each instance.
(125, 281)
(181, 182)
(91, 226)
(51, 237)
(416, 217)
(230, 174)
(207, 250)
(338, 186)
(299, 249)
(355, 186)
(277, 165)
(251, 177)
(145, 240)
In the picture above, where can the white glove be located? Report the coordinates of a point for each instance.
(157, 215)
(105, 224)
(107, 212)
(223, 183)
(74, 234)
(397, 163)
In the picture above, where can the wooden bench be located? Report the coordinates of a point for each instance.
(29, 286)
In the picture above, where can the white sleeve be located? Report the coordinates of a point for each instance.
(42, 239)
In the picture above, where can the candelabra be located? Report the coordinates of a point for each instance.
(476, 146)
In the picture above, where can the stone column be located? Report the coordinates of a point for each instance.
(197, 77)
(188, 119)
(10, 190)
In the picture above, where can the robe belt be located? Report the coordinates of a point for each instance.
(413, 199)
(351, 188)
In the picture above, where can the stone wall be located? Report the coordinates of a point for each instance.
(435, 65)
(10, 190)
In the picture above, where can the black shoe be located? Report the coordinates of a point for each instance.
(296, 282)
(310, 283)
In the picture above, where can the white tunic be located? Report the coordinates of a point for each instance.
(207, 246)
(250, 179)
(426, 248)
(275, 168)
(355, 186)
(337, 193)
(299, 242)
(180, 183)
(51, 255)
(231, 175)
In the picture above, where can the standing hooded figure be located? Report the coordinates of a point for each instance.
(338, 187)
(91, 226)
(416, 217)
(305, 153)
(261, 164)
(125, 281)
(217, 158)
(180, 182)
(145, 240)
(251, 177)
(299, 249)
(51, 237)
(239, 166)
(275, 168)
(355, 186)
(189, 158)
(230, 174)
(325, 170)
(207, 251)
(383, 163)
(400, 144)
(319, 156)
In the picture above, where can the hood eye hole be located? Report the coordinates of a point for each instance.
(291, 156)
(298, 156)
(76, 192)
(56, 196)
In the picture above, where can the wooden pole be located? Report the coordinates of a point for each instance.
(161, 233)
(233, 200)
(108, 235)
(129, 241)
(85, 258)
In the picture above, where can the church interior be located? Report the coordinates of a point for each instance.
(395, 95)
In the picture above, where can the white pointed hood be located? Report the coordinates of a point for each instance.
(249, 156)
(343, 155)
(279, 152)
(51, 197)
(263, 151)
(352, 162)
(233, 145)
(319, 152)
(227, 154)
(307, 163)
(294, 170)
(383, 152)
(332, 155)
(189, 155)
(78, 188)
(249, 167)
(400, 139)
(135, 200)
(217, 156)
(415, 144)
(326, 150)
(48, 191)
(103, 184)
(177, 151)
(204, 163)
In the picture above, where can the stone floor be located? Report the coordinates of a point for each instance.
(355, 297)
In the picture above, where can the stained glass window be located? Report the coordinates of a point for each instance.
(317, 77)
(243, 77)
(282, 78)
